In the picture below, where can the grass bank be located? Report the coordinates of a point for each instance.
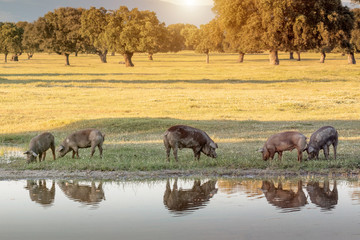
(239, 105)
(135, 144)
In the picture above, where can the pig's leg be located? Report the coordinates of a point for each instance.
(100, 150)
(197, 153)
(44, 156)
(299, 155)
(168, 154)
(73, 154)
(92, 150)
(326, 151)
(334, 146)
(53, 150)
(175, 150)
(280, 155)
(168, 149)
(40, 155)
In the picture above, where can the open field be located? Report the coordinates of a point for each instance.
(239, 105)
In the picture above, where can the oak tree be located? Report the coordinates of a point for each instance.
(60, 31)
(10, 39)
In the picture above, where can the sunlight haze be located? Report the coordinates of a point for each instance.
(191, 2)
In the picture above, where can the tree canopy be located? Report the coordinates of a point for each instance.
(10, 39)
(93, 27)
(60, 31)
(286, 25)
(131, 31)
(210, 38)
(241, 26)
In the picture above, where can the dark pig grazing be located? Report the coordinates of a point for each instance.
(322, 139)
(82, 139)
(181, 136)
(285, 141)
(39, 145)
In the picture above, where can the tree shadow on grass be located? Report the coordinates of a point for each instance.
(223, 129)
(66, 83)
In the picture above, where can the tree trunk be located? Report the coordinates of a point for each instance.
(351, 58)
(6, 57)
(29, 55)
(150, 56)
(112, 53)
(76, 54)
(127, 58)
(102, 56)
(67, 63)
(291, 55)
(323, 56)
(298, 56)
(274, 58)
(241, 57)
(207, 57)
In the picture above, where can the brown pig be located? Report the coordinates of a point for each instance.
(39, 145)
(82, 139)
(285, 141)
(181, 136)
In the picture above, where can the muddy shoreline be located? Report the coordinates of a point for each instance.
(6, 174)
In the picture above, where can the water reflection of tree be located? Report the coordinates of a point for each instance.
(88, 194)
(252, 188)
(355, 195)
(322, 196)
(179, 200)
(40, 193)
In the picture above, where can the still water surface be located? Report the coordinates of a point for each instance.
(180, 209)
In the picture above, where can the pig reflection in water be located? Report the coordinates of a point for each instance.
(83, 193)
(182, 200)
(284, 198)
(40, 193)
(322, 196)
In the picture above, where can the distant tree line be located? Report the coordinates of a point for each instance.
(241, 26)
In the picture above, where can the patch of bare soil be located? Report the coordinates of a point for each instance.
(125, 175)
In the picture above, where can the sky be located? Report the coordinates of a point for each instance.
(196, 12)
(169, 11)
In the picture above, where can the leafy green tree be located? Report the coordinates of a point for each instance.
(191, 35)
(31, 40)
(238, 20)
(93, 27)
(176, 39)
(261, 24)
(210, 39)
(355, 35)
(153, 34)
(334, 24)
(60, 31)
(10, 39)
(130, 31)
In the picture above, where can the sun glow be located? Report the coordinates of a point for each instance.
(191, 2)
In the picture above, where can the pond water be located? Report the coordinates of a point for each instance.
(9, 153)
(180, 209)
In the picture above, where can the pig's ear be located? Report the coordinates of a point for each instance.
(213, 145)
(34, 154)
(310, 149)
(61, 147)
(260, 150)
(27, 152)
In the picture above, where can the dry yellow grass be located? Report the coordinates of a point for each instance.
(42, 93)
